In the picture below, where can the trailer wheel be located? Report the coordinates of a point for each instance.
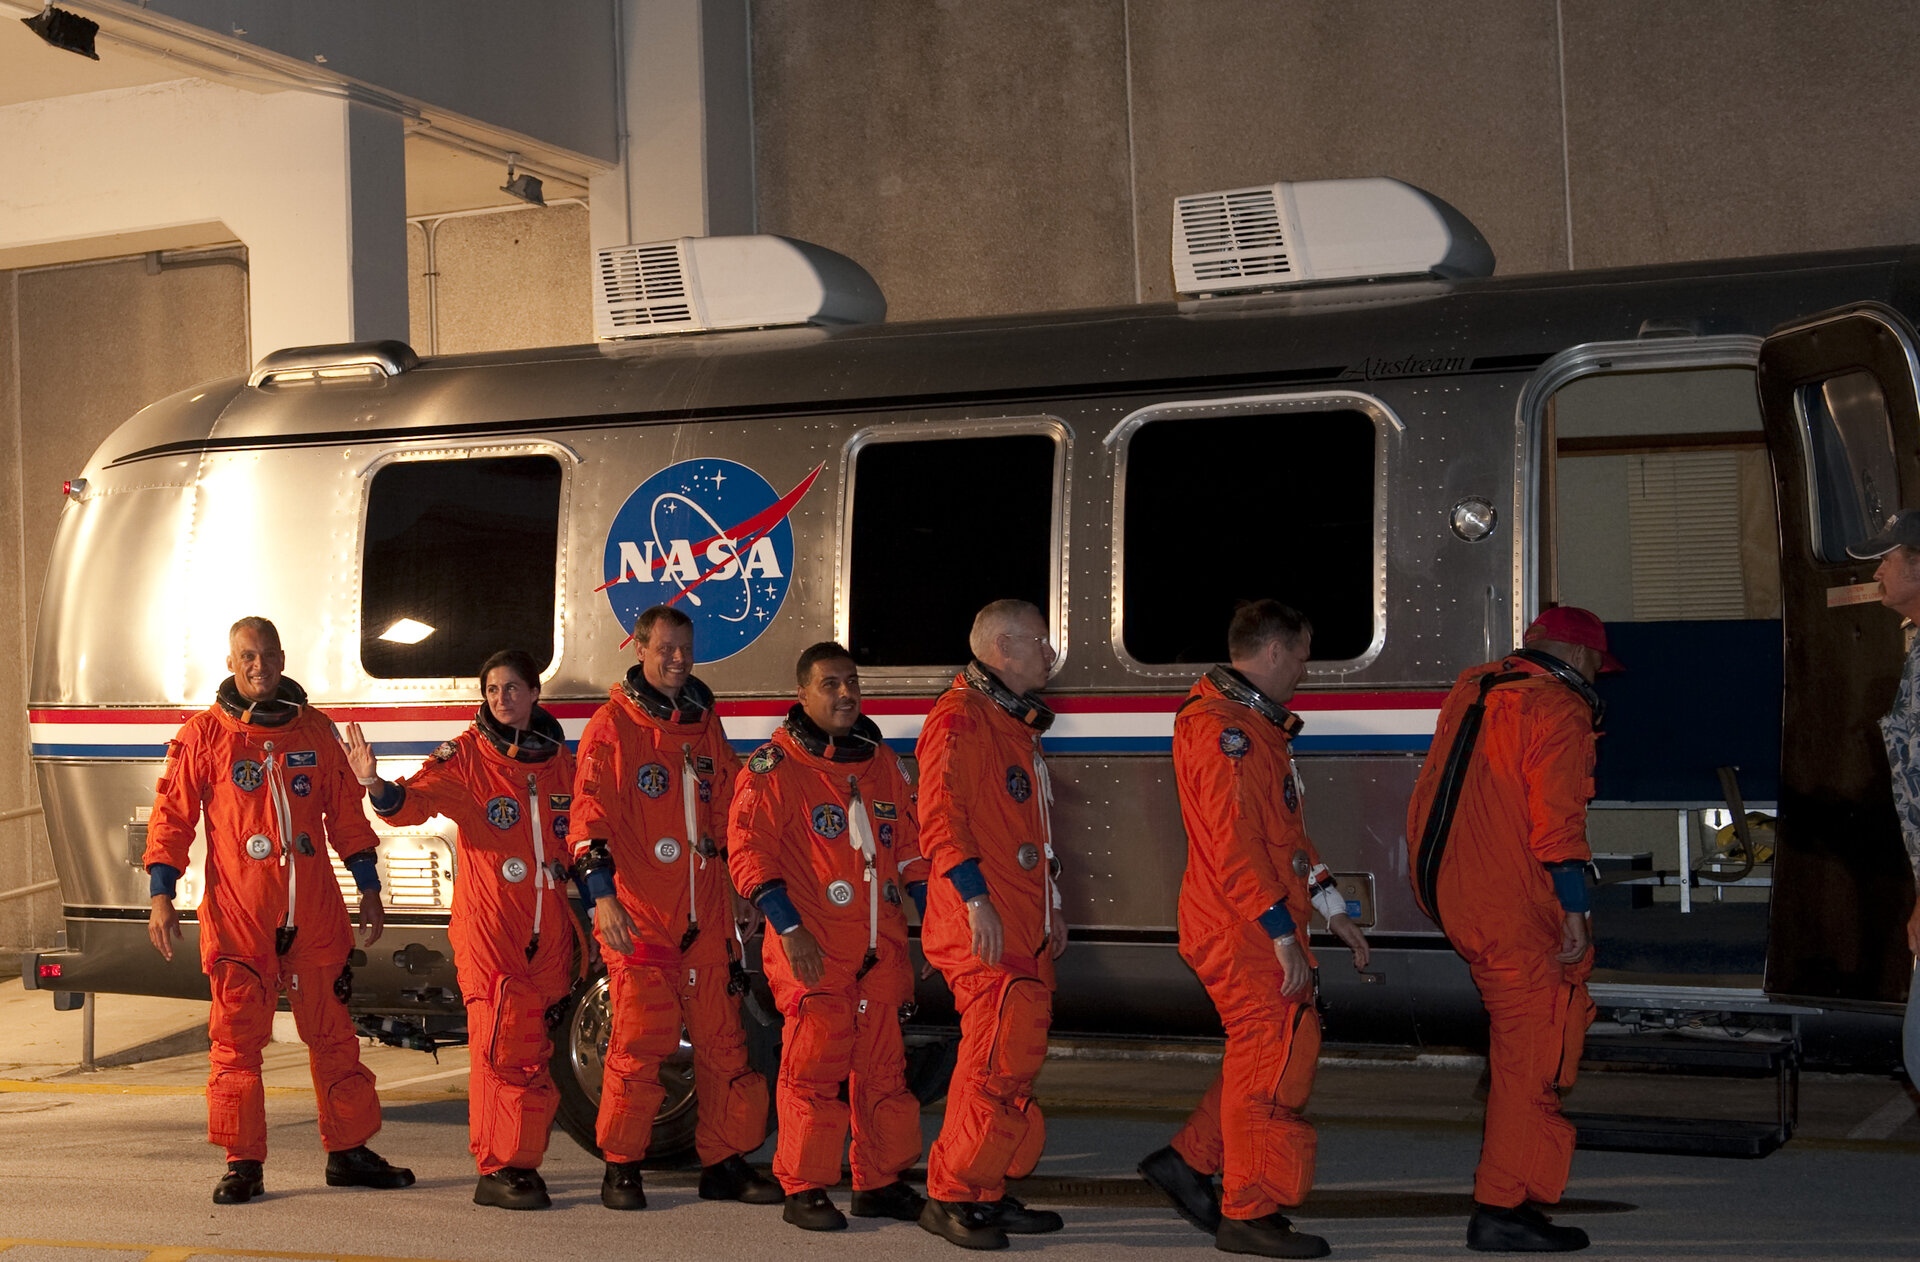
(579, 1059)
(930, 1062)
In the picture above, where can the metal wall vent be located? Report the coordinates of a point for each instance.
(727, 283)
(1288, 233)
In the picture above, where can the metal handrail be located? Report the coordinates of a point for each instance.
(22, 812)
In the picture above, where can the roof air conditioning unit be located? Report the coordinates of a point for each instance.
(694, 283)
(1319, 230)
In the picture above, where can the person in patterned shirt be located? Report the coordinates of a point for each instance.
(1898, 547)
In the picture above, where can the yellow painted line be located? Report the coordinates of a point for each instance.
(29, 1087)
(125, 1088)
(178, 1253)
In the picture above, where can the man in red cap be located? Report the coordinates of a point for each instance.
(1497, 848)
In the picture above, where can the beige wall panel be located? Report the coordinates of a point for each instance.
(971, 154)
(418, 319)
(94, 344)
(1741, 127)
(1460, 97)
(516, 279)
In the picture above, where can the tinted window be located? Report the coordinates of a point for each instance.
(941, 528)
(1232, 508)
(464, 550)
(1850, 459)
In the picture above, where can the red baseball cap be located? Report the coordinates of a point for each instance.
(1571, 624)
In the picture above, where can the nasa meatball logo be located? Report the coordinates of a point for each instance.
(652, 779)
(247, 775)
(1019, 788)
(302, 785)
(1289, 794)
(503, 812)
(829, 821)
(883, 833)
(711, 538)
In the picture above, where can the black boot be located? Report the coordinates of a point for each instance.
(896, 1200)
(1014, 1218)
(735, 1180)
(362, 1167)
(620, 1186)
(1270, 1237)
(240, 1184)
(512, 1187)
(1193, 1195)
(813, 1210)
(968, 1224)
(1521, 1229)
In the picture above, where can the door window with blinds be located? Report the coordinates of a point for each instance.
(1660, 498)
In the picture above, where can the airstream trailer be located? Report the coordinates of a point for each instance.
(1420, 464)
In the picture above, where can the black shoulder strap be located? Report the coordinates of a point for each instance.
(1446, 795)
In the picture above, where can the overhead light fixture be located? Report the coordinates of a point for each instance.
(521, 185)
(65, 30)
(407, 631)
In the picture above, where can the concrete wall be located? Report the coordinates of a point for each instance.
(82, 348)
(994, 155)
(545, 71)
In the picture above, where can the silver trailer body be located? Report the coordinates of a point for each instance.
(1377, 412)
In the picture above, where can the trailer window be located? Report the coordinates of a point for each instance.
(1221, 509)
(939, 528)
(459, 563)
(1850, 461)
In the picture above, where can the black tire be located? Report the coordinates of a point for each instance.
(930, 1061)
(579, 1058)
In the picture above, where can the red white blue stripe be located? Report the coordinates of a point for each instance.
(1091, 724)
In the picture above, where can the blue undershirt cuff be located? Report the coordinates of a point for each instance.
(1570, 885)
(779, 910)
(967, 879)
(365, 867)
(162, 878)
(1277, 920)
(599, 884)
(387, 797)
(917, 891)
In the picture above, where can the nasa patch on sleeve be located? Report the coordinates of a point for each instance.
(1234, 742)
(765, 759)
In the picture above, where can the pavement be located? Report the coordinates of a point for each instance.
(121, 1170)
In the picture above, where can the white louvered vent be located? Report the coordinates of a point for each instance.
(1232, 237)
(727, 283)
(416, 872)
(1287, 233)
(643, 286)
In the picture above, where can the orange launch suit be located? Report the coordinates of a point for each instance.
(792, 827)
(1522, 803)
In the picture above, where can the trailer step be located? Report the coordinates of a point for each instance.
(1778, 1059)
(1678, 1051)
(1685, 1136)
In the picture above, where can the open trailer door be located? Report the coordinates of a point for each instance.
(1838, 395)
